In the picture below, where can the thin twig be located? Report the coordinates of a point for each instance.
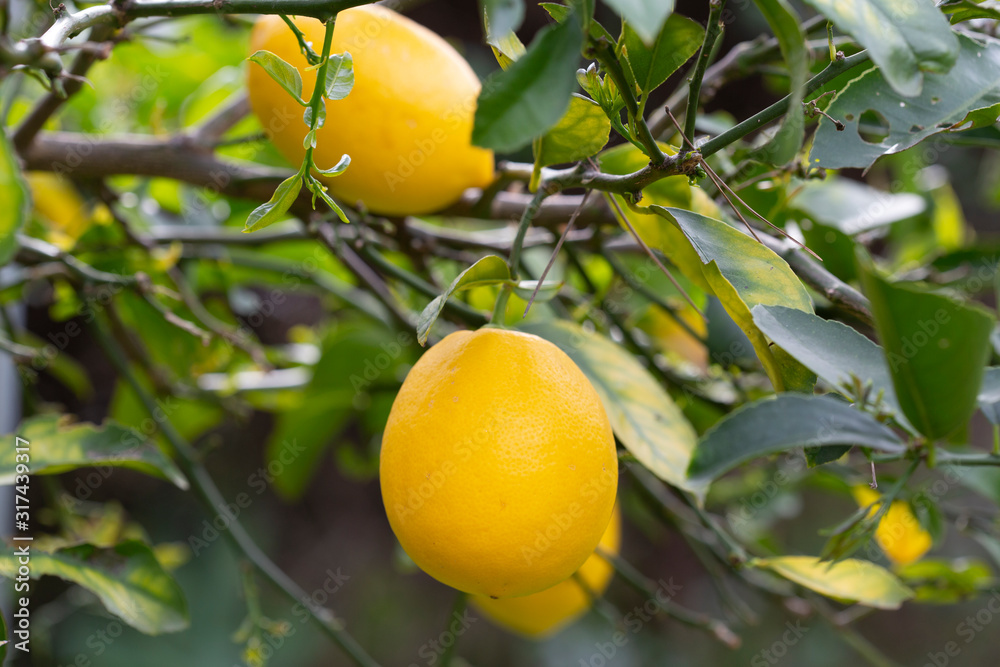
(555, 252)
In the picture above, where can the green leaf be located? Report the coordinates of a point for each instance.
(783, 422)
(966, 10)
(945, 103)
(989, 395)
(784, 23)
(832, 350)
(339, 77)
(285, 74)
(643, 416)
(947, 582)
(582, 132)
(854, 207)
(645, 16)
(58, 447)
(521, 103)
(489, 270)
(674, 45)
(507, 49)
(904, 39)
(929, 341)
(501, 17)
(560, 12)
(16, 203)
(337, 169)
(744, 273)
(850, 580)
(127, 579)
(272, 211)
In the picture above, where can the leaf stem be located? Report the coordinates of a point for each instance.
(712, 33)
(457, 609)
(606, 57)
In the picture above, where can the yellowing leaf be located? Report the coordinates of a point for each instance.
(851, 580)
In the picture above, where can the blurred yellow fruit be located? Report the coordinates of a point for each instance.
(899, 533)
(498, 465)
(672, 338)
(407, 123)
(544, 613)
(59, 204)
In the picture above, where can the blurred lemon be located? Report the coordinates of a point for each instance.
(498, 466)
(547, 612)
(407, 123)
(899, 533)
(673, 339)
(59, 206)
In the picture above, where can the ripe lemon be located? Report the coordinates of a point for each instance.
(407, 123)
(498, 465)
(899, 533)
(59, 204)
(545, 613)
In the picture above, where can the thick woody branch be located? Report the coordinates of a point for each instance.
(183, 159)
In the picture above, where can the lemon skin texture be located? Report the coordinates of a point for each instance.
(407, 123)
(545, 613)
(498, 465)
(899, 534)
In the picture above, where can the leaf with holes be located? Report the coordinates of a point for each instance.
(744, 273)
(643, 416)
(905, 39)
(127, 579)
(850, 580)
(490, 270)
(58, 447)
(948, 101)
(936, 347)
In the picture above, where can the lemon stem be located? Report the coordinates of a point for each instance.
(712, 33)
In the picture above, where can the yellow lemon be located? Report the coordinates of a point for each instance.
(59, 204)
(498, 465)
(407, 123)
(899, 533)
(547, 612)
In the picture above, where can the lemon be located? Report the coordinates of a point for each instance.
(899, 533)
(498, 465)
(547, 612)
(59, 205)
(407, 123)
